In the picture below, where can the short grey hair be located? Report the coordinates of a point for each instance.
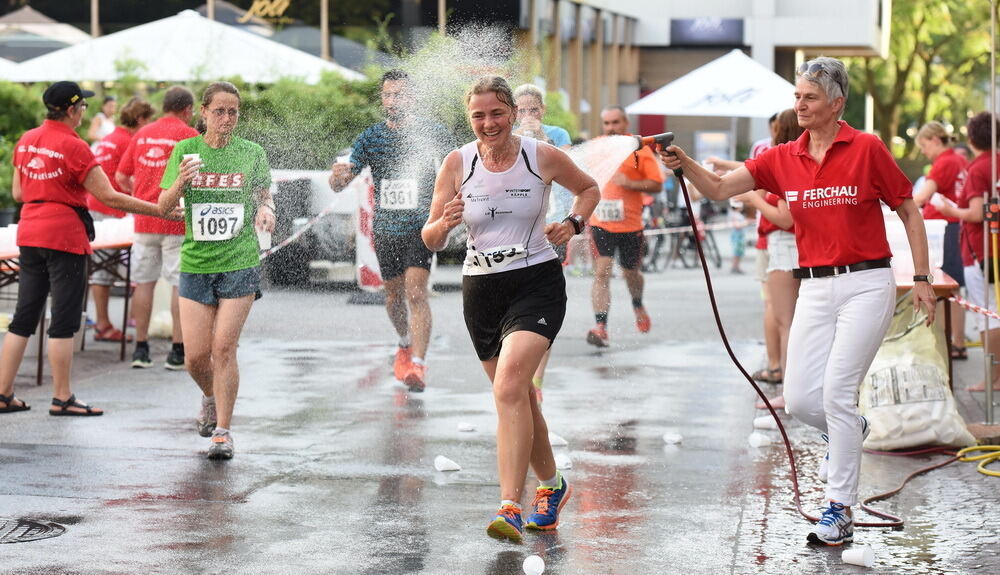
(827, 73)
(530, 90)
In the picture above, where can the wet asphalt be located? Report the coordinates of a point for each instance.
(334, 460)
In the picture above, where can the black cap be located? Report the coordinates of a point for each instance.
(62, 95)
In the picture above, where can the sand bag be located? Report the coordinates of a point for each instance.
(905, 395)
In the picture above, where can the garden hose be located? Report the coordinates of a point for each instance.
(992, 455)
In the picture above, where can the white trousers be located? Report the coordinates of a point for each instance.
(974, 287)
(838, 326)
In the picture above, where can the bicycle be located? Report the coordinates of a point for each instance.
(680, 246)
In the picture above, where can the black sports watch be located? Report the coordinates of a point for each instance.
(577, 221)
(927, 278)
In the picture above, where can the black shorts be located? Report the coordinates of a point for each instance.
(44, 271)
(527, 299)
(952, 264)
(628, 244)
(396, 252)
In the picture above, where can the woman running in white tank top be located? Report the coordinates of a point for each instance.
(513, 288)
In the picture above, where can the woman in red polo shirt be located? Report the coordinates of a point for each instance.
(969, 210)
(834, 179)
(947, 169)
(53, 171)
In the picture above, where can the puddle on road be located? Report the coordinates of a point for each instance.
(25, 530)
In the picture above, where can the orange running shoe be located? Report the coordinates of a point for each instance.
(415, 377)
(598, 336)
(642, 320)
(402, 363)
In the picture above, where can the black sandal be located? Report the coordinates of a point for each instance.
(765, 375)
(64, 408)
(10, 406)
(959, 352)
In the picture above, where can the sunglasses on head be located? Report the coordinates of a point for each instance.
(806, 69)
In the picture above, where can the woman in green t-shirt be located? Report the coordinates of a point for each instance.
(225, 182)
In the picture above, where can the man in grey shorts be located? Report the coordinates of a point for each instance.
(156, 251)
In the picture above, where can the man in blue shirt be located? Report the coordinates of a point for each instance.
(404, 153)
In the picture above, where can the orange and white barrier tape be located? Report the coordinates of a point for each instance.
(682, 229)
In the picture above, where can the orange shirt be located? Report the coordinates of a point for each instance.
(620, 209)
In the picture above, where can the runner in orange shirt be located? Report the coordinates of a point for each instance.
(617, 226)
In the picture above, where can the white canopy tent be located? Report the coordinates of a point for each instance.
(180, 48)
(734, 85)
(7, 68)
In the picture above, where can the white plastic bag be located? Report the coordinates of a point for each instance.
(905, 395)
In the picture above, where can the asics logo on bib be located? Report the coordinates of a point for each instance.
(218, 211)
(823, 197)
(210, 180)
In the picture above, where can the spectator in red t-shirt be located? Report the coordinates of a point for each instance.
(108, 151)
(53, 171)
(157, 249)
(969, 209)
(834, 179)
(947, 170)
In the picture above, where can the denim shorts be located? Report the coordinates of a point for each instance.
(208, 289)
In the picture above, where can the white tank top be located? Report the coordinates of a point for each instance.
(504, 213)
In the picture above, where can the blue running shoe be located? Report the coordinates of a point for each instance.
(548, 503)
(835, 527)
(507, 524)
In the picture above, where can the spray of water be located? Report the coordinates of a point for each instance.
(601, 157)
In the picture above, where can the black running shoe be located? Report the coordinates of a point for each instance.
(140, 358)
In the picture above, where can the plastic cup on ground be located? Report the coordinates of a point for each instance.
(765, 422)
(861, 555)
(672, 438)
(758, 440)
(442, 463)
(563, 461)
(533, 565)
(465, 426)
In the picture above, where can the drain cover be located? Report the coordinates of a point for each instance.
(24, 530)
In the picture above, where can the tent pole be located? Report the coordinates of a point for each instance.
(95, 27)
(324, 29)
(210, 9)
(732, 138)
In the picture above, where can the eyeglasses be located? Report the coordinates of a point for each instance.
(529, 111)
(806, 69)
(83, 105)
(221, 112)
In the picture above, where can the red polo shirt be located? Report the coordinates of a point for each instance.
(974, 185)
(947, 168)
(836, 204)
(145, 159)
(108, 152)
(52, 163)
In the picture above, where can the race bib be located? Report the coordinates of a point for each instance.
(399, 195)
(610, 210)
(492, 261)
(216, 222)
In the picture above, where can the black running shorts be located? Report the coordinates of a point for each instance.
(527, 299)
(396, 252)
(628, 244)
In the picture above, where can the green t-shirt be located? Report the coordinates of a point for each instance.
(219, 204)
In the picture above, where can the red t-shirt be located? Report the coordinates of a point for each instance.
(108, 152)
(765, 226)
(835, 205)
(975, 184)
(145, 159)
(52, 163)
(945, 171)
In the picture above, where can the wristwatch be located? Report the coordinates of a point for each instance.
(927, 278)
(577, 221)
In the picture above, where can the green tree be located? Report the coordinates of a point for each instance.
(937, 68)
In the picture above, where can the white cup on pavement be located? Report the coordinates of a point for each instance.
(861, 555)
(757, 439)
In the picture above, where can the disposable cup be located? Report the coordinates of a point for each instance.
(758, 440)
(343, 159)
(765, 422)
(533, 565)
(862, 555)
(195, 157)
(672, 438)
(264, 239)
(181, 202)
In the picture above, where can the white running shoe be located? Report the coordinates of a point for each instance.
(824, 464)
(835, 527)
